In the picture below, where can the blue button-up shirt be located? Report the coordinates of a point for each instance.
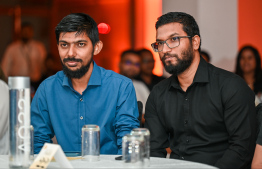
(109, 101)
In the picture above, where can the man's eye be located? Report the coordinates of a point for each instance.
(81, 44)
(160, 43)
(63, 45)
(175, 39)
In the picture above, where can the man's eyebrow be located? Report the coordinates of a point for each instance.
(173, 34)
(63, 41)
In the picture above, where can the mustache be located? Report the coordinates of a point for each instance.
(168, 55)
(72, 59)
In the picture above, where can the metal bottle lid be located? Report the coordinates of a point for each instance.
(18, 82)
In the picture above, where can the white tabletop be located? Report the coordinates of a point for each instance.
(108, 161)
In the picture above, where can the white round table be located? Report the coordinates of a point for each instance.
(108, 161)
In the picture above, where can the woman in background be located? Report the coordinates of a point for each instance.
(249, 68)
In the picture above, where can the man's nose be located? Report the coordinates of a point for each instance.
(71, 51)
(166, 48)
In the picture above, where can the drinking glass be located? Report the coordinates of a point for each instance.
(144, 132)
(90, 143)
(133, 150)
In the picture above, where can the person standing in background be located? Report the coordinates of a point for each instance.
(2, 75)
(129, 66)
(25, 57)
(4, 118)
(249, 67)
(147, 66)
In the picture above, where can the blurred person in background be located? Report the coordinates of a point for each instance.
(147, 66)
(205, 55)
(129, 66)
(4, 118)
(25, 57)
(2, 75)
(249, 68)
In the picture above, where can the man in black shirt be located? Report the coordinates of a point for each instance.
(203, 113)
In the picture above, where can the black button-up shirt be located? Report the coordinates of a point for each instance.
(213, 122)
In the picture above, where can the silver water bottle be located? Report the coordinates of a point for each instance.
(19, 92)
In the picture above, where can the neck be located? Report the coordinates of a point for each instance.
(249, 77)
(80, 84)
(146, 77)
(186, 78)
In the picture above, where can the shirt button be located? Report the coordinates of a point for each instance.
(186, 98)
(187, 141)
(81, 117)
(185, 121)
(182, 158)
(81, 99)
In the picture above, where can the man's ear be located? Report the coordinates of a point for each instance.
(98, 47)
(196, 42)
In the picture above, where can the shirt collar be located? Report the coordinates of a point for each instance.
(201, 75)
(95, 79)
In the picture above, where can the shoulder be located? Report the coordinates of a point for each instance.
(3, 86)
(224, 77)
(4, 90)
(13, 46)
(56, 78)
(230, 85)
(158, 78)
(162, 87)
(111, 76)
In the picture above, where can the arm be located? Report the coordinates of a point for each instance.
(158, 135)
(126, 113)
(43, 131)
(257, 160)
(241, 123)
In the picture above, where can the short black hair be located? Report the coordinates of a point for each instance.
(130, 51)
(144, 50)
(189, 24)
(78, 22)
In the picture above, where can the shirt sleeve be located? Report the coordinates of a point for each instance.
(126, 112)
(241, 123)
(43, 131)
(158, 135)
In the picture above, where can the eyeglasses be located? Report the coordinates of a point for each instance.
(129, 63)
(170, 42)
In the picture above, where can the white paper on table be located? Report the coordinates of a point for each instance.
(47, 153)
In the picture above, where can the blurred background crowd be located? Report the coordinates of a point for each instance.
(229, 31)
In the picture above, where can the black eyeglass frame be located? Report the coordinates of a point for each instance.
(164, 42)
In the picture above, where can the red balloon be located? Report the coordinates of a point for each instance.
(103, 28)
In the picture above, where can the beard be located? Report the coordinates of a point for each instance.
(76, 74)
(181, 65)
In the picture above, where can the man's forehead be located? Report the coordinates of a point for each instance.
(76, 35)
(170, 29)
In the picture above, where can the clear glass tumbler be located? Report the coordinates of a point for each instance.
(144, 132)
(90, 143)
(133, 150)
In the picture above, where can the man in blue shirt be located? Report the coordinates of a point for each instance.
(83, 93)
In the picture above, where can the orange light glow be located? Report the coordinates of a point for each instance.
(146, 14)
